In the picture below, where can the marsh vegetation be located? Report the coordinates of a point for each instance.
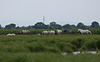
(48, 48)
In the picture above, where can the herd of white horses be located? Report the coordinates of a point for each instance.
(52, 32)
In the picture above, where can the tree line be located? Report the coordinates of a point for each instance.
(53, 25)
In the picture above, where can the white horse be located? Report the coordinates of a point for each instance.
(84, 31)
(11, 34)
(48, 32)
(45, 32)
(25, 31)
(59, 31)
(52, 32)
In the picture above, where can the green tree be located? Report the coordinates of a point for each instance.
(17, 27)
(0, 26)
(40, 25)
(81, 26)
(95, 24)
(30, 27)
(10, 26)
(73, 27)
(53, 25)
(67, 26)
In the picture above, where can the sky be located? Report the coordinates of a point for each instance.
(29, 12)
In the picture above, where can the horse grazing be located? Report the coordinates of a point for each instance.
(45, 32)
(24, 32)
(48, 32)
(52, 32)
(59, 31)
(84, 31)
(69, 32)
(11, 34)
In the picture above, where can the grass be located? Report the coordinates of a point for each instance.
(47, 57)
(48, 48)
(31, 57)
(48, 43)
(83, 58)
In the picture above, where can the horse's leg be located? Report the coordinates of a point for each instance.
(87, 32)
(81, 33)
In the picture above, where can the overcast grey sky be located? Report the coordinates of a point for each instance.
(28, 12)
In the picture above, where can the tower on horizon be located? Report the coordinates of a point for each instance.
(43, 19)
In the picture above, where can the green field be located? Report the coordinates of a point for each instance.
(48, 48)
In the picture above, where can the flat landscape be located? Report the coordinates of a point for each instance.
(48, 48)
(49, 31)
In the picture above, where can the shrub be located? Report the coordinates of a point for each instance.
(53, 49)
(78, 42)
(98, 43)
(36, 47)
(90, 45)
(68, 49)
(63, 46)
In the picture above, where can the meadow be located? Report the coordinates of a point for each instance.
(48, 48)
